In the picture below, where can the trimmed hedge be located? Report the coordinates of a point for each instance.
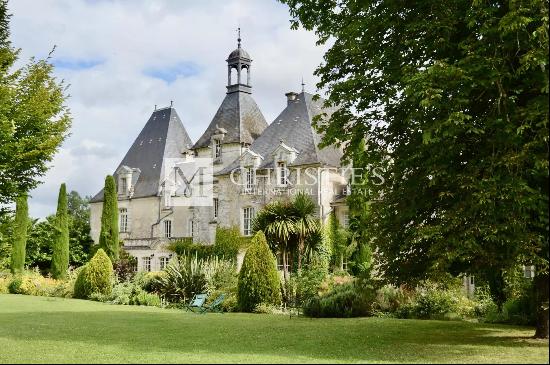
(95, 277)
(258, 279)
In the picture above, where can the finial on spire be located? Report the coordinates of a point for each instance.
(239, 37)
(303, 85)
(171, 103)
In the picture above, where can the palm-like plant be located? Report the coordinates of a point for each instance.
(305, 222)
(277, 221)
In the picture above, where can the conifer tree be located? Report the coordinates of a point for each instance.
(108, 238)
(258, 279)
(60, 256)
(19, 234)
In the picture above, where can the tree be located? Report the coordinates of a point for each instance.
(19, 235)
(451, 98)
(33, 117)
(304, 220)
(79, 228)
(108, 237)
(60, 256)
(258, 278)
(276, 221)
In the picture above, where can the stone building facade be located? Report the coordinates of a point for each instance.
(253, 163)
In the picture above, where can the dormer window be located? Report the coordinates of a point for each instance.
(124, 186)
(217, 148)
(250, 179)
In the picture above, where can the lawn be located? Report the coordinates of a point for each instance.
(38, 329)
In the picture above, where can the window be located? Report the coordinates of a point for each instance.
(280, 265)
(163, 262)
(281, 167)
(249, 187)
(146, 263)
(168, 228)
(123, 219)
(529, 271)
(217, 148)
(190, 228)
(346, 220)
(248, 216)
(216, 202)
(123, 186)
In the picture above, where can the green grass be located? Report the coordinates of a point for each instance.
(38, 329)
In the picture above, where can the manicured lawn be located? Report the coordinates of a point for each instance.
(37, 329)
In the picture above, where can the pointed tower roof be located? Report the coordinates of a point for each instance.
(293, 129)
(238, 114)
(163, 136)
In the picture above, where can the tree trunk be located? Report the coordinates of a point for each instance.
(497, 284)
(541, 298)
(285, 268)
(300, 252)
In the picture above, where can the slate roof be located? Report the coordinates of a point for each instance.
(240, 116)
(294, 127)
(163, 136)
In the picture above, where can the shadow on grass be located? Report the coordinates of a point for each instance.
(364, 339)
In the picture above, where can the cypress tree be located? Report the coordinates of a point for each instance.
(108, 238)
(258, 279)
(60, 256)
(19, 234)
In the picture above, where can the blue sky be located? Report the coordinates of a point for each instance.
(121, 58)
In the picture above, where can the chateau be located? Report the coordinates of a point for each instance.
(253, 163)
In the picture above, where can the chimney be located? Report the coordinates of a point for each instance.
(290, 97)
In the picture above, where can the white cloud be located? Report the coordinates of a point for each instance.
(107, 46)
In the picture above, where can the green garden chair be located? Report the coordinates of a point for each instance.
(215, 306)
(196, 305)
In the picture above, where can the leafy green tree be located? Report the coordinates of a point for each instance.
(108, 237)
(452, 99)
(258, 278)
(79, 228)
(60, 256)
(40, 241)
(19, 234)
(33, 117)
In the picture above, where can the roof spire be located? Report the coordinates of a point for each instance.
(303, 85)
(239, 37)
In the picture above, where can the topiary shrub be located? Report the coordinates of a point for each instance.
(258, 278)
(95, 277)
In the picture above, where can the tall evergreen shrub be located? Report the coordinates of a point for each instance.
(258, 279)
(60, 255)
(19, 234)
(108, 238)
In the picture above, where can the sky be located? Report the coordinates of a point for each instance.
(121, 58)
